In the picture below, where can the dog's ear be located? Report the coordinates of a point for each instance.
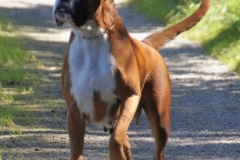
(106, 14)
(109, 12)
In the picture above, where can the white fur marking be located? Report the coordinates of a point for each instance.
(91, 67)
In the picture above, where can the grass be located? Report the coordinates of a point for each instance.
(12, 59)
(13, 80)
(31, 106)
(164, 10)
(11, 64)
(218, 32)
(20, 115)
(6, 116)
(19, 156)
(1, 153)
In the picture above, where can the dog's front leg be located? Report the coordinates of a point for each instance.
(76, 131)
(119, 146)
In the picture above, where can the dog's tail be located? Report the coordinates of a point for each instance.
(158, 39)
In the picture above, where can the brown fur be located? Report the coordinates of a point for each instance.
(141, 76)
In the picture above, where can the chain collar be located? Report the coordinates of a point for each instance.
(101, 34)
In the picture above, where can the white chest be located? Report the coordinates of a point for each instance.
(91, 68)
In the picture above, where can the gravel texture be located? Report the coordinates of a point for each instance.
(205, 111)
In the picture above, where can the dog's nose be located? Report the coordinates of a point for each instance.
(62, 9)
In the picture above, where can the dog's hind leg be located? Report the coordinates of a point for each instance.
(157, 96)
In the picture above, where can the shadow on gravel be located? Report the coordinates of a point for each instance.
(195, 134)
(205, 106)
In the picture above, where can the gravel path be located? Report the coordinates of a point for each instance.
(205, 111)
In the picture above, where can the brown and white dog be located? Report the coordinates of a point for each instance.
(108, 76)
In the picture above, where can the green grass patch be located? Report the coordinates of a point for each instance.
(14, 80)
(5, 156)
(20, 116)
(12, 59)
(6, 116)
(219, 31)
(1, 153)
(161, 9)
(13, 62)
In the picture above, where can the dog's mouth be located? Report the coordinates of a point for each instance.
(62, 14)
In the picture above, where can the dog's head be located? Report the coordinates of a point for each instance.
(78, 12)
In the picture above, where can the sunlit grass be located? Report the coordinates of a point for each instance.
(13, 79)
(219, 31)
(156, 9)
(1, 153)
(12, 59)
(20, 116)
(6, 116)
(28, 91)
(9, 157)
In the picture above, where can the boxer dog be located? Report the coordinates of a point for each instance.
(108, 77)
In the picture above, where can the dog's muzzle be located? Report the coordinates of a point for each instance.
(61, 13)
